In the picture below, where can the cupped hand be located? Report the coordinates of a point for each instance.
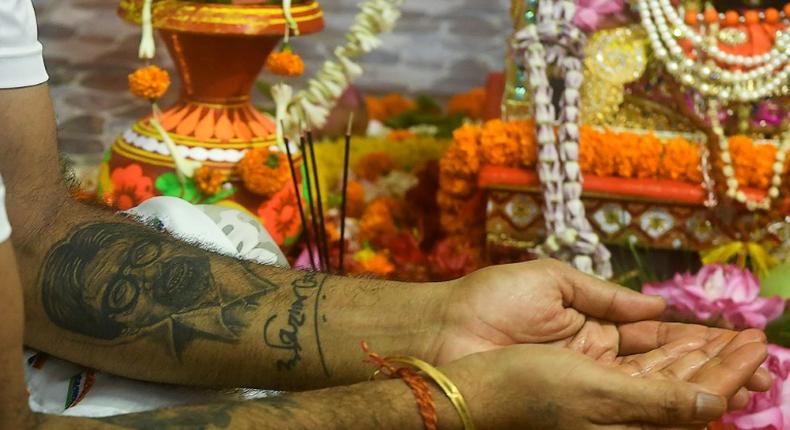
(538, 302)
(546, 301)
(683, 384)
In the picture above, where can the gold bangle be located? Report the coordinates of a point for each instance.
(452, 392)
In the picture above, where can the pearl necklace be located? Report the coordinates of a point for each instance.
(728, 170)
(698, 40)
(715, 81)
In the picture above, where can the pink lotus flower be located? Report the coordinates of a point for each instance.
(769, 410)
(727, 295)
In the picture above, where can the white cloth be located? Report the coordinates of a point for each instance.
(21, 60)
(5, 227)
(60, 387)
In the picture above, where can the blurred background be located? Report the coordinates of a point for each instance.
(438, 48)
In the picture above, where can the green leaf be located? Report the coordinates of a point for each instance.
(777, 282)
(778, 332)
(222, 195)
(168, 184)
(191, 193)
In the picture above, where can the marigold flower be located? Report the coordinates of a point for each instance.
(355, 199)
(471, 104)
(679, 157)
(209, 181)
(285, 63)
(149, 82)
(456, 186)
(263, 172)
(462, 157)
(373, 165)
(497, 146)
(377, 220)
(523, 133)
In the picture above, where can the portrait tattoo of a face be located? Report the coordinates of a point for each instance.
(115, 282)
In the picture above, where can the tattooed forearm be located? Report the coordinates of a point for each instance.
(283, 332)
(114, 282)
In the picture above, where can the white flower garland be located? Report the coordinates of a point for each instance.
(311, 106)
(555, 40)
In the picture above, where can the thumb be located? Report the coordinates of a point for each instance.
(665, 402)
(604, 300)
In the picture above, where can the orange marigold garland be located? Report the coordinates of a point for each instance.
(209, 181)
(497, 146)
(149, 83)
(602, 153)
(285, 62)
(264, 172)
(680, 157)
(463, 156)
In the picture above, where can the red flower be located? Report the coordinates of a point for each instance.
(130, 187)
(280, 215)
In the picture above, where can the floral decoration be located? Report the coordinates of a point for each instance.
(209, 181)
(384, 108)
(769, 410)
(130, 187)
(471, 104)
(374, 263)
(280, 215)
(149, 83)
(373, 165)
(285, 63)
(355, 199)
(264, 172)
(726, 295)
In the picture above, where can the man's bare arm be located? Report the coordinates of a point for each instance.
(381, 405)
(109, 293)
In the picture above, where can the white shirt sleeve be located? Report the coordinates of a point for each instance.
(5, 227)
(21, 60)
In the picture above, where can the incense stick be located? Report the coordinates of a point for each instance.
(299, 204)
(341, 265)
(322, 230)
(311, 202)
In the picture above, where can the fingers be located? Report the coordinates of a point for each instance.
(643, 336)
(654, 361)
(600, 299)
(687, 366)
(597, 340)
(661, 401)
(726, 375)
(739, 400)
(761, 381)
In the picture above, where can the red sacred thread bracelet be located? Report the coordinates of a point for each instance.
(418, 386)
